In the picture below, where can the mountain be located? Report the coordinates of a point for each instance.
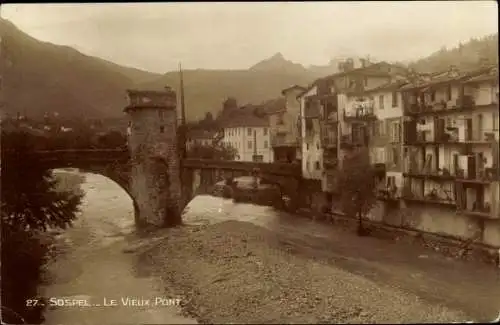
(206, 90)
(278, 63)
(39, 77)
(464, 56)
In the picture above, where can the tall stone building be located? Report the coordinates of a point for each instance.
(154, 155)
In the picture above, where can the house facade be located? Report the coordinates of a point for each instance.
(284, 115)
(335, 118)
(248, 131)
(451, 141)
(385, 133)
(312, 152)
(199, 138)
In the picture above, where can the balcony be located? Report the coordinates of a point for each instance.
(444, 173)
(330, 161)
(418, 108)
(477, 204)
(388, 193)
(328, 135)
(280, 128)
(431, 197)
(479, 136)
(360, 112)
(481, 176)
(283, 141)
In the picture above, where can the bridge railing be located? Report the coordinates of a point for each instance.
(268, 168)
(81, 155)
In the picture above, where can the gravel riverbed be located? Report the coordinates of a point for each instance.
(236, 272)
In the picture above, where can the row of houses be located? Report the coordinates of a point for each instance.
(435, 135)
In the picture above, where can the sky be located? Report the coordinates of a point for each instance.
(157, 36)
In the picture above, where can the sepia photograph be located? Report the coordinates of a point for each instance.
(272, 162)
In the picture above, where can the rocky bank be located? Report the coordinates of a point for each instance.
(236, 272)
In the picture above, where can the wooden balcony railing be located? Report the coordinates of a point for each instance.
(462, 103)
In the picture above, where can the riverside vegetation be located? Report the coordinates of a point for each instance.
(33, 202)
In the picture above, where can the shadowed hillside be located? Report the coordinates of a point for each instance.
(465, 55)
(39, 77)
(205, 90)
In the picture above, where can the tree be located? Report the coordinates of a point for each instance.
(112, 140)
(30, 205)
(217, 152)
(357, 180)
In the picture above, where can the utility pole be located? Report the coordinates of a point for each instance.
(254, 144)
(182, 128)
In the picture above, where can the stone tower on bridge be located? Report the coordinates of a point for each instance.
(155, 180)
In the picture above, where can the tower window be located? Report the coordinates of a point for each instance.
(162, 129)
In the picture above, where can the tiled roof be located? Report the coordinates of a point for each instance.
(391, 85)
(490, 75)
(366, 71)
(293, 87)
(274, 105)
(443, 78)
(201, 134)
(246, 116)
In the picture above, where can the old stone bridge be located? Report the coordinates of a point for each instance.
(151, 170)
(158, 197)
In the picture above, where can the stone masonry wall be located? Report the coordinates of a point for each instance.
(155, 179)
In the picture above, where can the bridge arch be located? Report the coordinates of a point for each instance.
(115, 176)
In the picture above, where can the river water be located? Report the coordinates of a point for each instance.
(94, 266)
(98, 262)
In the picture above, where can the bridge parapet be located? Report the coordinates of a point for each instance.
(82, 156)
(279, 169)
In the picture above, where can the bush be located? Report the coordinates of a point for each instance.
(31, 204)
(23, 255)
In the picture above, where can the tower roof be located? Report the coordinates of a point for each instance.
(141, 99)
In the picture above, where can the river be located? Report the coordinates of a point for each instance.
(98, 263)
(93, 266)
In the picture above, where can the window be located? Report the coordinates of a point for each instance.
(249, 131)
(381, 102)
(307, 165)
(381, 128)
(448, 92)
(266, 144)
(258, 158)
(395, 156)
(265, 131)
(394, 99)
(433, 95)
(249, 144)
(495, 121)
(317, 145)
(160, 114)
(280, 119)
(391, 181)
(162, 129)
(366, 81)
(395, 132)
(317, 165)
(307, 146)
